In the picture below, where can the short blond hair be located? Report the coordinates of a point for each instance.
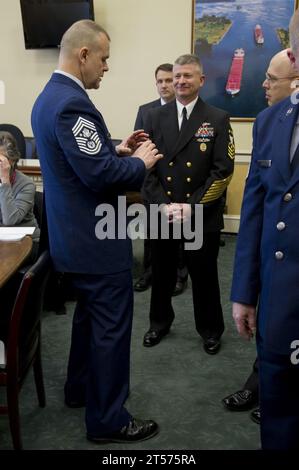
(187, 59)
(81, 33)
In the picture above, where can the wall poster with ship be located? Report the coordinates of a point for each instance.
(235, 40)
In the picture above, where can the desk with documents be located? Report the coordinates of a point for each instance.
(12, 255)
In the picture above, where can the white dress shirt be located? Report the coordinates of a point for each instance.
(189, 107)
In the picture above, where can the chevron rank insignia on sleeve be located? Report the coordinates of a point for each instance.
(86, 136)
(231, 145)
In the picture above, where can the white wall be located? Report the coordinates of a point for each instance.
(144, 33)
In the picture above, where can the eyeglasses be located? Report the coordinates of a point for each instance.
(276, 79)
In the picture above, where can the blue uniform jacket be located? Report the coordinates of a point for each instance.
(80, 170)
(266, 269)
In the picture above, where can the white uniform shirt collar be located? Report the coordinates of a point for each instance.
(72, 77)
(189, 107)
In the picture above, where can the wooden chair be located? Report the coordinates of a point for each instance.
(23, 343)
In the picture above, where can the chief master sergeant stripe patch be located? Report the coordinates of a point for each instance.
(86, 136)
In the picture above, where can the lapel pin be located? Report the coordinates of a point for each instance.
(289, 111)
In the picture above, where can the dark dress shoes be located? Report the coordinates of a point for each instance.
(221, 242)
(240, 401)
(60, 310)
(136, 430)
(255, 415)
(74, 403)
(153, 337)
(142, 284)
(211, 345)
(181, 285)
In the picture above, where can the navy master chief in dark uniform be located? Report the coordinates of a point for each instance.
(197, 143)
(81, 170)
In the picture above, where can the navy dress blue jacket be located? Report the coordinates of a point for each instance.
(80, 170)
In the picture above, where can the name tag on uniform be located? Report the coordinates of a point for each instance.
(264, 163)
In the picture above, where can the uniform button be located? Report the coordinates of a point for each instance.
(279, 255)
(188, 180)
(168, 193)
(188, 195)
(287, 197)
(281, 226)
(170, 164)
(169, 178)
(189, 164)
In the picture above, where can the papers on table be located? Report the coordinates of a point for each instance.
(15, 233)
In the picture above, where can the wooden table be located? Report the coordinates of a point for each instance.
(12, 255)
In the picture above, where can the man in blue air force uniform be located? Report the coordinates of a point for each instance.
(81, 170)
(266, 273)
(278, 84)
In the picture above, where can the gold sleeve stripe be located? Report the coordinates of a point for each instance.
(216, 190)
(231, 151)
(231, 144)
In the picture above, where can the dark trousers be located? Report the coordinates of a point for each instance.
(147, 253)
(252, 383)
(202, 267)
(182, 270)
(279, 400)
(147, 258)
(99, 361)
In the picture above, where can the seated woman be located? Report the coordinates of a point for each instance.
(16, 191)
(16, 209)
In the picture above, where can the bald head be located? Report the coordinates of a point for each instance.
(294, 35)
(84, 52)
(281, 63)
(280, 76)
(83, 33)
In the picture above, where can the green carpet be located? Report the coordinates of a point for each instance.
(175, 383)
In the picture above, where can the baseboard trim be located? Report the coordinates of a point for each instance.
(231, 223)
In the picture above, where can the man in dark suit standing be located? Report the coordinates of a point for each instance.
(197, 142)
(82, 175)
(266, 271)
(164, 84)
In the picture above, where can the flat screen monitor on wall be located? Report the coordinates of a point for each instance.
(45, 21)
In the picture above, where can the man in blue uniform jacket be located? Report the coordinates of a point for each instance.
(81, 170)
(266, 269)
(278, 84)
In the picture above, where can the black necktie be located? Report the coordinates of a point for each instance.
(185, 120)
(295, 160)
